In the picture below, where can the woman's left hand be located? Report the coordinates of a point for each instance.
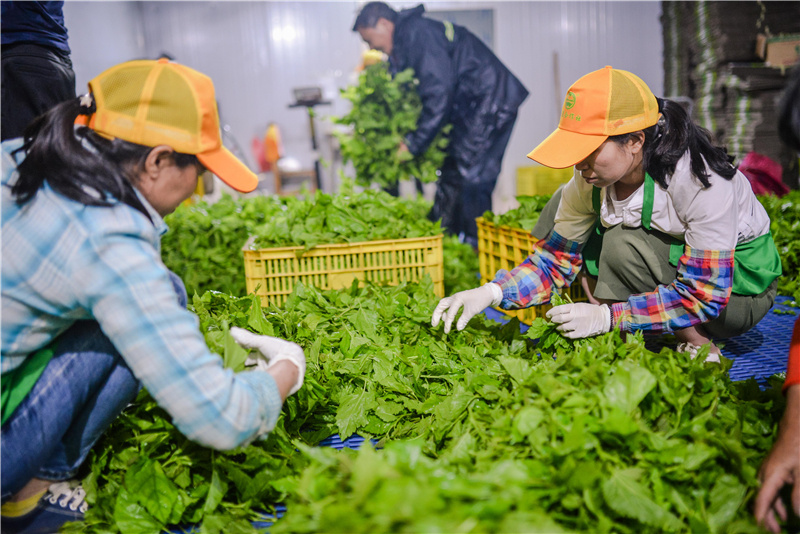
(782, 467)
(581, 319)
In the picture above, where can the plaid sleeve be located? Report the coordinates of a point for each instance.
(698, 294)
(129, 292)
(793, 367)
(555, 262)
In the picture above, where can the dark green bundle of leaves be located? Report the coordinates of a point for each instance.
(347, 217)
(384, 110)
(204, 243)
(484, 432)
(461, 265)
(525, 216)
(784, 215)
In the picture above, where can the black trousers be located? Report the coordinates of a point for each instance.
(463, 195)
(34, 79)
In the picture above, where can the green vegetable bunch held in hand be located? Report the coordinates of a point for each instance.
(384, 110)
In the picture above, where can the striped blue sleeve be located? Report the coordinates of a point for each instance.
(129, 292)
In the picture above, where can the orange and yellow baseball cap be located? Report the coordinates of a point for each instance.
(153, 103)
(602, 103)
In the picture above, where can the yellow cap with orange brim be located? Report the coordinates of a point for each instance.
(153, 103)
(600, 104)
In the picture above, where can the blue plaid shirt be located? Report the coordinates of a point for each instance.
(63, 261)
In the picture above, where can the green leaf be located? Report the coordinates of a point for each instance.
(132, 518)
(352, 412)
(726, 499)
(628, 386)
(519, 369)
(528, 420)
(624, 495)
(235, 355)
(216, 492)
(153, 490)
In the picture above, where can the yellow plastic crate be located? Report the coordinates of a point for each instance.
(504, 247)
(540, 180)
(275, 271)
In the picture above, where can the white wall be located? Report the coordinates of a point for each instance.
(257, 51)
(102, 34)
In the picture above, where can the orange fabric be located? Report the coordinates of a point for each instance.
(273, 149)
(600, 104)
(155, 103)
(793, 366)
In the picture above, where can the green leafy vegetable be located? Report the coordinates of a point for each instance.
(481, 429)
(461, 265)
(204, 242)
(784, 215)
(345, 218)
(525, 216)
(385, 109)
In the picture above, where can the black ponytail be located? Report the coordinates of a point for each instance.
(80, 164)
(666, 142)
(672, 136)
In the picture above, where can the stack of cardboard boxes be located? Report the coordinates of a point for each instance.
(728, 61)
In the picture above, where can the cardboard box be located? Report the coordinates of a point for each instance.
(779, 51)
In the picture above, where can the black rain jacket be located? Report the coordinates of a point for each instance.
(461, 82)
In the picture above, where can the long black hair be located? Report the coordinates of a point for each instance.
(80, 164)
(371, 12)
(666, 142)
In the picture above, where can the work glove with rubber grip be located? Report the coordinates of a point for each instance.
(473, 301)
(271, 350)
(581, 319)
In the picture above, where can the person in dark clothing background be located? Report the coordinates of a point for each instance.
(461, 82)
(36, 64)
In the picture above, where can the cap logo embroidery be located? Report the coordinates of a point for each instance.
(569, 103)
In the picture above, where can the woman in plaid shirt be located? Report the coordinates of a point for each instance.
(666, 234)
(90, 313)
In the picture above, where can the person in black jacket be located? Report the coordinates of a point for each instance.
(36, 64)
(460, 82)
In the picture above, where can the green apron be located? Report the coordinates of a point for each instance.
(756, 263)
(16, 384)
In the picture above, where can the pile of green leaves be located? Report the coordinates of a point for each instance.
(204, 242)
(385, 109)
(346, 217)
(483, 431)
(784, 215)
(525, 216)
(461, 265)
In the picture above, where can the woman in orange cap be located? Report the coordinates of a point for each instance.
(652, 219)
(90, 313)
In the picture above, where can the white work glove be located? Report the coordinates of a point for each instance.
(581, 319)
(271, 350)
(474, 301)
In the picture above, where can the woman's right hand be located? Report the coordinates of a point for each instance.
(273, 354)
(474, 301)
